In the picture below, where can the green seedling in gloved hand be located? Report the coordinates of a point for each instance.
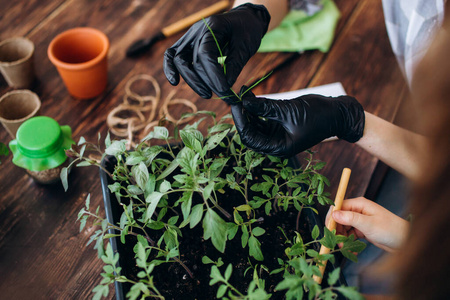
(195, 55)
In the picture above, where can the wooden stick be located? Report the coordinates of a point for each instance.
(340, 194)
(188, 21)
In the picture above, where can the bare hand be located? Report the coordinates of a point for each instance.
(368, 220)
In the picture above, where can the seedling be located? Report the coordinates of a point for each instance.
(168, 191)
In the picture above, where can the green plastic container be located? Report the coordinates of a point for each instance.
(40, 146)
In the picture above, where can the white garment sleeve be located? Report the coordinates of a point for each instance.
(411, 25)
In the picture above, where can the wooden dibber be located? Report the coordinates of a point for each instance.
(340, 194)
(190, 20)
(143, 45)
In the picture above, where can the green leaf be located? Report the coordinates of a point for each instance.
(319, 165)
(220, 127)
(153, 199)
(108, 140)
(214, 227)
(244, 237)
(63, 175)
(312, 253)
(196, 215)
(134, 158)
(173, 165)
(186, 204)
(214, 140)
(258, 231)
(116, 148)
(84, 164)
(350, 255)
(315, 232)
(191, 139)
(333, 276)
(100, 291)
(208, 190)
(83, 222)
(240, 170)
(350, 293)
(140, 174)
(165, 186)
(228, 272)
(244, 207)
(329, 239)
(134, 190)
(206, 260)
(217, 166)
(320, 187)
(215, 276)
(141, 255)
(255, 248)
(115, 187)
(221, 291)
(237, 218)
(136, 290)
(158, 132)
(232, 230)
(257, 162)
(268, 207)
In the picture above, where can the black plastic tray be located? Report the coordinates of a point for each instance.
(114, 211)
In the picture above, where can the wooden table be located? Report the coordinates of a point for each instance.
(42, 253)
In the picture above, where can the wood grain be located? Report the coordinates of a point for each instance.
(42, 252)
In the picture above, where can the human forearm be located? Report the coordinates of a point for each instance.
(397, 147)
(277, 9)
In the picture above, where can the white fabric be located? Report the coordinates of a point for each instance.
(411, 25)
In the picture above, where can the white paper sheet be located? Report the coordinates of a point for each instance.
(333, 89)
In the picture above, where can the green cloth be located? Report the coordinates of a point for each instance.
(300, 32)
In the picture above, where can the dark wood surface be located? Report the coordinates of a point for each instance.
(42, 253)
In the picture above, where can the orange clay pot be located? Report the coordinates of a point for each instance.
(80, 56)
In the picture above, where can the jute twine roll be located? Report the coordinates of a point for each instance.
(141, 110)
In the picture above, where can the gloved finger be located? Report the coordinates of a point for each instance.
(170, 70)
(206, 64)
(255, 133)
(235, 62)
(182, 61)
(258, 106)
(238, 116)
(263, 107)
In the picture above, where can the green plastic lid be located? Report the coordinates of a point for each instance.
(40, 144)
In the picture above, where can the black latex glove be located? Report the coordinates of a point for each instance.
(292, 126)
(194, 55)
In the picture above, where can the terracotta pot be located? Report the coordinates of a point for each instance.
(16, 107)
(80, 56)
(16, 62)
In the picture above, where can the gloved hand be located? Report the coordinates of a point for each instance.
(194, 56)
(295, 125)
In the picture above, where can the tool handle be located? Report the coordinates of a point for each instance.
(340, 195)
(190, 20)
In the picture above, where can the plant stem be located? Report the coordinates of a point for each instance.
(176, 259)
(298, 219)
(216, 205)
(184, 266)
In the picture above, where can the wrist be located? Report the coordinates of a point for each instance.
(352, 118)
